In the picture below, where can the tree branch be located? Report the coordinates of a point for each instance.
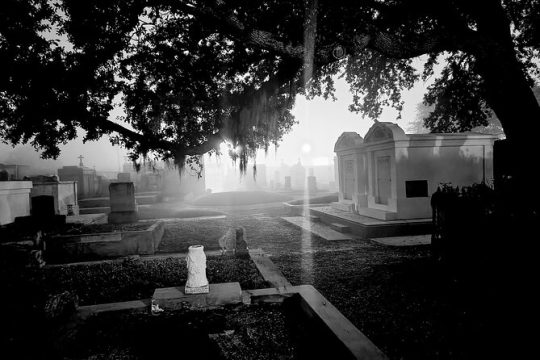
(388, 44)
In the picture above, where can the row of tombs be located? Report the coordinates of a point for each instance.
(390, 175)
(20, 199)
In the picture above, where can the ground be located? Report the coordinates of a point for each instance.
(397, 296)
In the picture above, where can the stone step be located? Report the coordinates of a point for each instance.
(340, 227)
(377, 214)
(343, 206)
(319, 229)
(314, 218)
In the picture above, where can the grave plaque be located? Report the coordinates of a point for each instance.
(43, 206)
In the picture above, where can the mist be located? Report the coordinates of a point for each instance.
(310, 142)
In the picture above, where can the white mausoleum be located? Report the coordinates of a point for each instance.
(390, 175)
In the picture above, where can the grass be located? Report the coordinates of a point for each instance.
(326, 199)
(125, 280)
(160, 212)
(245, 332)
(235, 198)
(107, 228)
(405, 303)
(180, 235)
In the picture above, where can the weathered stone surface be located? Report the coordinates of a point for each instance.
(197, 290)
(268, 269)
(227, 242)
(220, 294)
(14, 200)
(64, 194)
(103, 245)
(125, 306)
(196, 265)
(122, 203)
(340, 227)
(241, 242)
(317, 228)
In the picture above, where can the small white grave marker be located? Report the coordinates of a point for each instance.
(196, 283)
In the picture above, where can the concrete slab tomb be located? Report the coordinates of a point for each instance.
(14, 200)
(390, 175)
(91, 246)
(64, 195)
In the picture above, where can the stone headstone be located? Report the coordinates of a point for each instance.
(196, 283)
(241, 243)
(312, 184)
(287, 183)
(122, 203)
(228, 242)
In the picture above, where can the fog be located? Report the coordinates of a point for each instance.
(311, 141)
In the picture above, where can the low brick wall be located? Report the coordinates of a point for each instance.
(70, 248)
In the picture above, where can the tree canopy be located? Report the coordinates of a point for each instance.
(191, 74)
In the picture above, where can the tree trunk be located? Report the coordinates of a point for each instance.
(510, 96)
(514, 103)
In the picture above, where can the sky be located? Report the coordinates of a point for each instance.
(320, 122)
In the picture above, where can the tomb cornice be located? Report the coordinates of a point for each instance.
(348, 140)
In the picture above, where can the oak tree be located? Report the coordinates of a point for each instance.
(191, 73)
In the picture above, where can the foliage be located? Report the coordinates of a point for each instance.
(190, 74)
(485, 121)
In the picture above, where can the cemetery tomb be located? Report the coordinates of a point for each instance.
(14, 200)
(390, 175)
(312, 184)
(298, 176)
(64, 195)
(86, 178)
(287, 183)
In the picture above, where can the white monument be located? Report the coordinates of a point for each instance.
(196, 283)
(390, 175)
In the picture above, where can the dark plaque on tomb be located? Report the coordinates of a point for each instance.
(43, 206)
(416, 188)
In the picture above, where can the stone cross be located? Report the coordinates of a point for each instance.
(80, 157)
